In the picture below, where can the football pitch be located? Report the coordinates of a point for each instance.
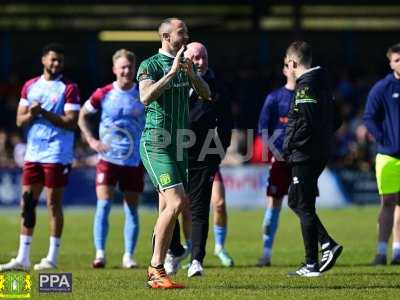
(351, 278)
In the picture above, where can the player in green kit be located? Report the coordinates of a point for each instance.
(165, 80)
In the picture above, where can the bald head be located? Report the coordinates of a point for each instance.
(197, 52)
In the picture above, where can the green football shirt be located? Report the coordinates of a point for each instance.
(171, 110)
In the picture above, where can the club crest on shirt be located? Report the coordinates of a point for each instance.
(165, 179)
(54, 99)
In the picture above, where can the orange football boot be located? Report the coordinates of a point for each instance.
(157, 279)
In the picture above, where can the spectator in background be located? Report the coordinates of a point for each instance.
(382, 118)
(19, 149)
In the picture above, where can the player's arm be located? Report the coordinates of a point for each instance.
(266, 113)
(25, 113)
(198, 83)
(85, 122)
(149, 89)
(68, 121)
(27, 110)
(374, 113)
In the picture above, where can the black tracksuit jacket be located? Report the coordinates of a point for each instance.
(313, 119)
(207, 115)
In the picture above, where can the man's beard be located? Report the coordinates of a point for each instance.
(53, 74)
(177, 45)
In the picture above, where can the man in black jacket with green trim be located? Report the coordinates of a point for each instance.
(309, 134)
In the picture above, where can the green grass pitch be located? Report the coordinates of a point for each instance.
(351, 278)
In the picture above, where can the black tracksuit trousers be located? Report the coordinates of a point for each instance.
(302, 193)
(200, 188)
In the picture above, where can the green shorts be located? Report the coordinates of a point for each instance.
(387, 174)
(163, 167)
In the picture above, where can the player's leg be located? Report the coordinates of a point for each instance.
(106, 178)
(270, 226)
(385, 226)
(30, 197)
(162, 169)
(220, 218)
(55, 180)
(131, 183)
(54, 198)
(396, 221)
(396, 234)
(175, 248)
(387, 186)
(131, 228)
(176, 252)
(32, 186)
(278, 185)
(175, 199)
(105, 195)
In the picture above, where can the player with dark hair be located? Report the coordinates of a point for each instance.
(49, 109)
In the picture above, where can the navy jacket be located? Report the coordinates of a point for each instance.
(382, 115)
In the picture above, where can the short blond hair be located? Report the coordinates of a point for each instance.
(129, 55)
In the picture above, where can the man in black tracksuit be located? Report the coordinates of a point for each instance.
(309, 134)
(211, 121)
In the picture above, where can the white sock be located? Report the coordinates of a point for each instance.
(54, 250)
(396, 249)
(100, 254)
(24, 249)
(127, 255)
(218, 248)
(382, 248)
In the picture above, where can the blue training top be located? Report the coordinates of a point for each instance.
(382, 115)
